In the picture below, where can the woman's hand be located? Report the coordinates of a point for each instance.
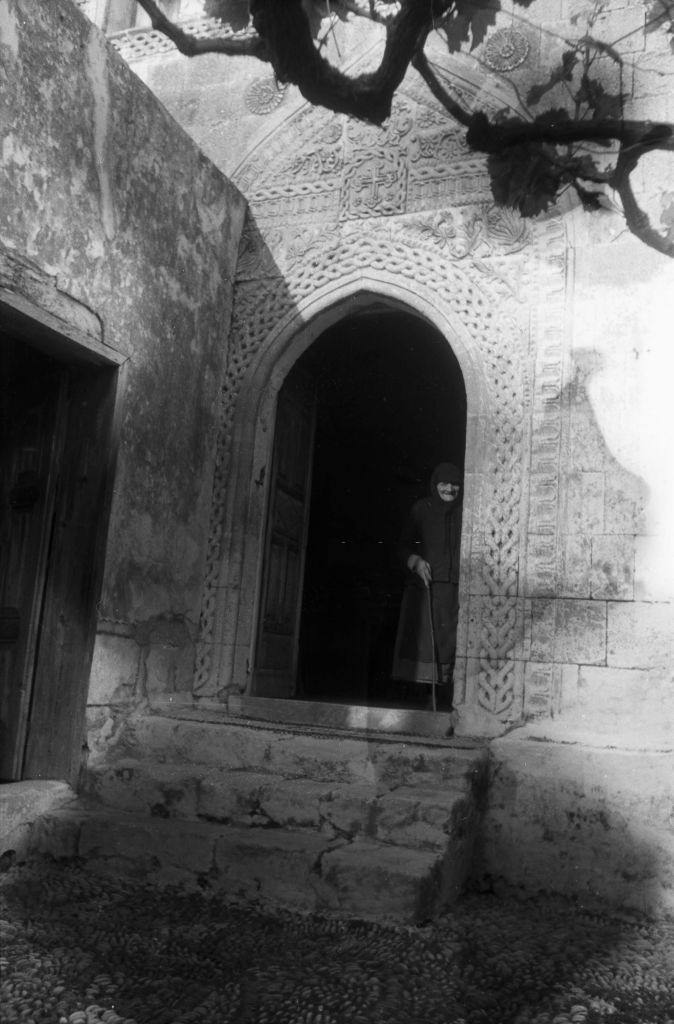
(419, 565)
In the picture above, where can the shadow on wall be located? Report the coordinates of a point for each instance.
(569, 580)
(592, 824)
(602, 498)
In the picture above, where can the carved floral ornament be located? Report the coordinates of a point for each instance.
(478, 231)
(506, 50)
(264, 95)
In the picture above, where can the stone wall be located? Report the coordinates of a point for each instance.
(112, 208)
(560, 328)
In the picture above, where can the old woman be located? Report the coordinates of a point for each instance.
(425, 648)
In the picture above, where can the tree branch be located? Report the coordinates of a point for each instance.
(636, 219)
(285, 29)
(452, 107)
(494, 138)
(242, 44)
(281, 34)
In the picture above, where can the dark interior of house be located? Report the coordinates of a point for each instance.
(390, 405)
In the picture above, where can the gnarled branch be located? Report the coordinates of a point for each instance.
(240, 44)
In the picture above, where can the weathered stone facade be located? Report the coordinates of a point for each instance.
(560, 327)
(116, 229)
(565, 494)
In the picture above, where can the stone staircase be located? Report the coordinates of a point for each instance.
(358, 824)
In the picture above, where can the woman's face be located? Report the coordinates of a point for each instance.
(448, 492)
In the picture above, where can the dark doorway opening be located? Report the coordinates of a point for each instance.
(55, 475)
(389, 404)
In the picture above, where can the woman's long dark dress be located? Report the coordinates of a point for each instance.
(434, 533)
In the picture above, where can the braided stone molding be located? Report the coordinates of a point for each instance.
(473, 299)
(330, 197)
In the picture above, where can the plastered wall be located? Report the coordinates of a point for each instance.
(110, 209)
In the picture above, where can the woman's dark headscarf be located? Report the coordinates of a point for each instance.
(445, 473)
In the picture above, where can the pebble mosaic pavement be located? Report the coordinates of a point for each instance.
(78, 948)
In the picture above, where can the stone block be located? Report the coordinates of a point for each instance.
(583, 502)
(612, 573)
(542, 613)
(594, 823)
(654, 568)
(383, 883)
(22, 802)
(567, 694)
(575, 558)
(269, 864)
(539, 688)
(161, 850)
(630, 703)
(539, 578)
(417, 817)
(38, 817)
(155, 789)
(114, 670)
(586, 447)
(640, 634)
(625, 24)
(232, 797)
(348, 809)
(625, 498)
(569, 631)
(55, 835)
(168, 669)
(293, 803)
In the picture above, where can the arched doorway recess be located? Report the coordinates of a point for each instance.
(489, 353)
(512, 388)
(362, 417)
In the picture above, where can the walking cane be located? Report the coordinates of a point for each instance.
(433, 659)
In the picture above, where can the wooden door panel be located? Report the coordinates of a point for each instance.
(275, 667)
(32, 412)
(74, 570)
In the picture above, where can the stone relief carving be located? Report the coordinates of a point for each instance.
(411, 203)
(506, 50)
(264, 94)
(374, 184)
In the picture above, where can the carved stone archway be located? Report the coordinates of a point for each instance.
(406, 220)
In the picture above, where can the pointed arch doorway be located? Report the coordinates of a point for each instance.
(364, 414)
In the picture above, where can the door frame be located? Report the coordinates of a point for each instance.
(71, 334)
(241, 562)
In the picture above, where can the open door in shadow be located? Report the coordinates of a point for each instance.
(362, 418)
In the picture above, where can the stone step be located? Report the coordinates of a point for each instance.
(300, 751)
(416, 815)
(301, 871)
(21, 804)
(392, 720)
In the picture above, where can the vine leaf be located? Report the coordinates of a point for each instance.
(659, 15)
(605, 105)
(525, 178)
(468, 23)
(562, 73)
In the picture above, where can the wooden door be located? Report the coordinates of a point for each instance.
(276, 653)
(55, 485)
(32, 422)
(56, 724)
